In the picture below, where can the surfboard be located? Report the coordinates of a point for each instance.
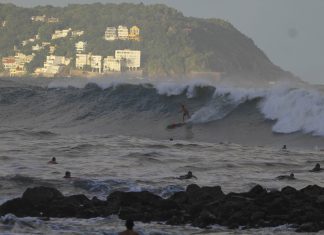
(175, 125)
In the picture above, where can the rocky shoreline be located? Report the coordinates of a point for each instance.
(198, 206)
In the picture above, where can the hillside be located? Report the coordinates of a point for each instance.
(171, 43)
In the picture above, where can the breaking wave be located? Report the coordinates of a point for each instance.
(94, 105)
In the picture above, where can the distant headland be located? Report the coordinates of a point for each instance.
(94, 40)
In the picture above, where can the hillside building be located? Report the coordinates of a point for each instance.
(9, 62)
(82, 60)
(37, 47)
(131, 58)
(53, 20)
(96, 63)
(111, 64)
(24, 43)
(80, 46)
(45, 44)
(134, 33)
(93, 61)
(53, 66)
(16, 65)
(52, 49)
(77, 33)
(39, 18)
(122, 32)
(111, 34)
(61, 33)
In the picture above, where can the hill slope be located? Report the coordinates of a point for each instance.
(171, 43)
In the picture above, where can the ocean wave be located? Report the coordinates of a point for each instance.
(116, 102)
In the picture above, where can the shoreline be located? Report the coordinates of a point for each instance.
(198, 206)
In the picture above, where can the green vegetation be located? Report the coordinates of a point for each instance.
(171, 43)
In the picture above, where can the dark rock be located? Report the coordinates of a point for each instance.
(41, 194)
(18, 207)
(256, 191)
(257, 216)
(312, 190)
(288, 190)
(308, 227)
(204, 219)
(199, 206)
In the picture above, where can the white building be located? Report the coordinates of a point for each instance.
(131, 58)
(122, 32)
(96, 63)
(37, 47)
(80, 46)
(54, 65)
(52, 49)
(24, 43)
(111, 64)
(22, 58)
(45, 44)
(77, 33)
(56, 60)
(82, 60)
(16, 65)
(39, 18)
(61, 33)
(111, 34)
(93, 61)
(53, 20)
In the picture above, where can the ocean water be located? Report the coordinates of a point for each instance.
(111, 135)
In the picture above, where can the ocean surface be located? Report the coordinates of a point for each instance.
(111, 135)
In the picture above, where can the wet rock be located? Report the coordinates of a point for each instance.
(256, 191)
(308, 227)
(312, 190)
(199, 206)
(41, 194)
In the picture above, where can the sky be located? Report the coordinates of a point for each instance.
(290, 32)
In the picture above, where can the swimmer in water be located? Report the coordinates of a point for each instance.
(317, 168)
(129, 228)
(67, 175)
(189, 175)
(286, 177)
(53, 161)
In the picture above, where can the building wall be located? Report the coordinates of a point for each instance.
(111, 34)
(111, 64)
(134, 33)
(132, 58)
(80, 46)
(82, 60)
(96, 63)
(122, 32)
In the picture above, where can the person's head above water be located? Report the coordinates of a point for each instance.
(53, 159)
(129, 224)
(189, 173)
(284, 147)
(317, 166)
(292, 175)
(67, 174)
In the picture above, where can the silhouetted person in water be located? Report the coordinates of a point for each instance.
(129, 228)
(286, 177)
(185, 113)
(67, 175)
(284, 147)
(53, 161)
(189, 175)
(317, 168)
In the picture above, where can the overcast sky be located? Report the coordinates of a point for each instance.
(290, 32)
